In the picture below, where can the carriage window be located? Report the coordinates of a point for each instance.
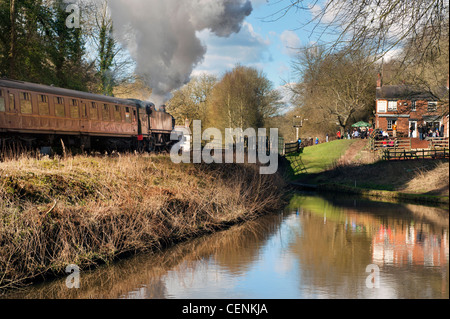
(127, 115)
(117, 114)
(12, 102)
(2, 102)
(44, 108)
(94, 111)
(74, 109)
(106, 115)
(25, 103)
(134, 116)
(84, 110)
(59, 107)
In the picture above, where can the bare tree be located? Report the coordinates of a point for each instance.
(382, 25)
(191, 101)
(112, 61)
(244, 98)
(335, 88)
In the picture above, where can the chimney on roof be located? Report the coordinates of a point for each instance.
(380, 81)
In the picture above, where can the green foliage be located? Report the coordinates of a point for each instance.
(106, 57)
(37, 46)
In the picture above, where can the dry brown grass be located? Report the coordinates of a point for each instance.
(433, 182)
(90, 210)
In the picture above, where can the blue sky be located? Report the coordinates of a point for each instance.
(267, 45)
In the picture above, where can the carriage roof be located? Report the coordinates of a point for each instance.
(39, 88)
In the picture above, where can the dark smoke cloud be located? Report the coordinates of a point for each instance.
(161, 35)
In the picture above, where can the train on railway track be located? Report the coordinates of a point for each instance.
(41, 117)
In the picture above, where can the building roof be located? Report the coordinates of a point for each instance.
(408, 92)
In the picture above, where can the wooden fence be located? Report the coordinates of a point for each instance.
(438, 142)
(394, 155)
(291, 148)
(395, 144)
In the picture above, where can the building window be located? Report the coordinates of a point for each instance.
(432, 106)
(382, 106)
(44, 108)
(2, 102)
(414, 106)
(392, 106)
(390, 124)
(25, 103)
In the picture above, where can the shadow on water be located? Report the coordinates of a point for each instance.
(319, 247)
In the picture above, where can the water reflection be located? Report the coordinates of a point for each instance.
(318, 248)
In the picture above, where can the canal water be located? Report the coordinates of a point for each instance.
(318, 248)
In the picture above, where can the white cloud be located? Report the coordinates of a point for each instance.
(392, 54)
(246, 47)
(291, 42)
(330, 14)
(258, 3)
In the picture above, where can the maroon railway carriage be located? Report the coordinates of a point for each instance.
(42, 116)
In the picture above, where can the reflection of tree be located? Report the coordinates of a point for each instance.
(330, 256)
(143, 277)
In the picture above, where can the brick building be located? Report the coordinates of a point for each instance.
(409, 107)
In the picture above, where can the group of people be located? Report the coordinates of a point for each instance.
(426, 131)
(362, 133)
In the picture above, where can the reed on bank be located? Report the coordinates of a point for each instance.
(91, 210)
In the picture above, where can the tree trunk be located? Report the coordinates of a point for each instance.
(12, 48)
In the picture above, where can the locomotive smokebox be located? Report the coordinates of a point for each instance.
(149, 108)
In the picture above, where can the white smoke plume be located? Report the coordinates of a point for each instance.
(161, 35)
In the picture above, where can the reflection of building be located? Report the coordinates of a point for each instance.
(410, 245)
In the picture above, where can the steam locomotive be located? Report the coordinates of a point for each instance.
(40, 116)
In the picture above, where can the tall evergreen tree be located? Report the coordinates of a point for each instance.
(66, 50)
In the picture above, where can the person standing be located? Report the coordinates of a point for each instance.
(394, 129)
(339, 135)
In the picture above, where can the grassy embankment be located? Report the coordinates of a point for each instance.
(89, 211)
(348, 166)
